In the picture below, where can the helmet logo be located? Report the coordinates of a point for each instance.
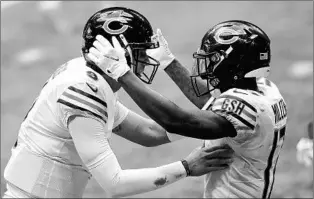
(115, 16)
(228, 35)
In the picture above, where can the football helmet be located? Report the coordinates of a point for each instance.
(137, 31)
(230, 51)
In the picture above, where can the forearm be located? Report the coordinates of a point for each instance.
(160, 109)
(120, 183)
(189, 123)
(158, 135)
(152, 134)
(148, 179)
(181, 76)
(143, 131)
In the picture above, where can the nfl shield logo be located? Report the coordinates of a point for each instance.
(263, 56)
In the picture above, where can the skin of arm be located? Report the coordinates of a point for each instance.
(142, 131)
(181, 76)
(190, 123)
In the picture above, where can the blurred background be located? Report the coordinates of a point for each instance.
(37, 37)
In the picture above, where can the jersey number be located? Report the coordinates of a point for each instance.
(279, 136)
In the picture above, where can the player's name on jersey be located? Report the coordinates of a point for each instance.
(236, 108)
(233, 105)
(280, 110)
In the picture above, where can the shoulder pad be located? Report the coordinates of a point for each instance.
(235, 104)
(264, 81)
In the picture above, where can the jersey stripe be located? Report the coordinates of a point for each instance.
(239, 99)
(246, 116)
(245, 122)
(74, 97)
(272, 184)
(245, 111)
(251, 126)
(252, 117)
(79, 108)
(88, 95)
(209, 103)
(219, 103)
(269, 165)
(82, 101)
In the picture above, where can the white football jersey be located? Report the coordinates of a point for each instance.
(260, 121)
(73, 90)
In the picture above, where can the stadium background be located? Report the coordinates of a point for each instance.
(36, 39)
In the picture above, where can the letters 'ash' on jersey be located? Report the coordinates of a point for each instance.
(260, 121)
(73, 90)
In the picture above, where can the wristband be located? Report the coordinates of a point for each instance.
(186, 166)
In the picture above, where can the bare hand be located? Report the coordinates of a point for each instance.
(204, 159)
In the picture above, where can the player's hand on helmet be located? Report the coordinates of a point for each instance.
(110, 59)
(207, 159)
(163, 53)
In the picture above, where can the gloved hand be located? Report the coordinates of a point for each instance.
(110, 59)
(163, 53)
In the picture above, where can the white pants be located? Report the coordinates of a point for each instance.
(15, 192)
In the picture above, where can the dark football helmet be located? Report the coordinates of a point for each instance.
(137, 31)
(230, 51)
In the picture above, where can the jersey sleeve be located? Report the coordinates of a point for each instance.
(80, 100)
(120, 114)
(238, 109)
(96, 153)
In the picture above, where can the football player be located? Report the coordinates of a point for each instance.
(249, 114)
(64, 138)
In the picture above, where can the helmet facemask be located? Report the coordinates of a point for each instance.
(144, 66)
(205, 66)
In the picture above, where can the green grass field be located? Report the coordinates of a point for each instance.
(288, 24)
